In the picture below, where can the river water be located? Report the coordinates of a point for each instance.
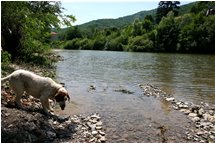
(135, 117)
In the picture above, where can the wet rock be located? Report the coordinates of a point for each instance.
(98, 127)
(192, 115)
(205, 124)
(102, 139)
(200, 133)
(212, 137)
(6, 114)
(195, 119)
(99, 123)
(205, 116)
(170, 99)
(101, 133)
(211, 112)
(126, 91)
(91, 88)
(94, 133)
(175, 107)
(183, 106)
(150, 90)
(51, 134)
(185, 111)
(201, 111)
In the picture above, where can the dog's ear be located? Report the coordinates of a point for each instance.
(62, 92)
(63, 84)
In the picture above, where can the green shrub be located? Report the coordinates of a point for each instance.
(71, 44)
(86, 44)
(140, 44)
(5, 58)
(99, 43)
(116, 44)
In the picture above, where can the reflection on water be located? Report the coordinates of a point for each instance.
(166, 106)
(130, 117)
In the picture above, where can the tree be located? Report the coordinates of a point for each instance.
(167, 34)
(137, 27)
(146, 26)
(197, 35)
(150, 18)
(202, 6)
(72, 33)
(26, 25)
(165, 7)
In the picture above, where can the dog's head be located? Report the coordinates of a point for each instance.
(61, 97)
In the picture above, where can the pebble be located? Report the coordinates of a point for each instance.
(185, 111)
(94, 133)
(211, 112)
(98, 127)
(102, 139)
(201, 111)
(192, 114)
(101, 133)
(51, 134)
(195, 119)
(200, 133)
(91, 127)
(212, 137)
(99, 123)
(7, 114)
(170, 99)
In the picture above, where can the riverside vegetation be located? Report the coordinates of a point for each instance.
(165, 29)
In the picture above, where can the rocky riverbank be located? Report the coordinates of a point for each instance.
(201, 116)
(31, 125)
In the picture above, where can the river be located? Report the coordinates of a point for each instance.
(135, 117)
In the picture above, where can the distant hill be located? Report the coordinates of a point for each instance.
(124, 21)
(119, 22)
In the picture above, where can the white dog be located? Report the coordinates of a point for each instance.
(39, 87)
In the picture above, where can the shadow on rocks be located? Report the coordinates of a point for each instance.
(27, 126)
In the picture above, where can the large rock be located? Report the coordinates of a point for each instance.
(192, 115)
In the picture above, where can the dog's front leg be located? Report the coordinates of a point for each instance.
(44, 102)
(48, 106)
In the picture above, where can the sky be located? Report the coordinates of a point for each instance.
(85, 11)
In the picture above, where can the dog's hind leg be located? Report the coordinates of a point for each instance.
(19, 90)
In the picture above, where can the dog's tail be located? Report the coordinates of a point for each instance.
(3, 80)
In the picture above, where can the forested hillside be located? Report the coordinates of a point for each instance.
(123, 21)
(169, 28)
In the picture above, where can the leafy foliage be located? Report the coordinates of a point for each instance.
(5, 58)
(71, 33)
(26, 26)
(190, 32)
(165, 7)
(167, 33)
